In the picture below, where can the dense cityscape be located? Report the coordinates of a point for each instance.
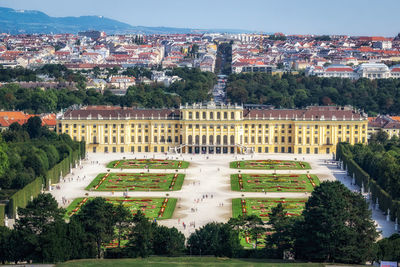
(167, 146)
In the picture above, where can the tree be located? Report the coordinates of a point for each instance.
(283, 232)
(214, 239)
(40, 218)
(5, 248)
(41, 212)
(34, 127)
(388, 249)
(168, 241)
(98, 221)
(141, 236)
(4, 163)
(122, 220)
(337, 226)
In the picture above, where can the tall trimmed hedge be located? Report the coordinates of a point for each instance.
(2, 214)
(386, 202)
(21, 198)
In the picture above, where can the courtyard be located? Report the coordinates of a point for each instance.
(205, 194)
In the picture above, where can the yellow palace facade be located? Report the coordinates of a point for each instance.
(214, 128)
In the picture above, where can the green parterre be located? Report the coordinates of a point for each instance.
(137, 182)
(270, 165)
(263, 206)
(148, 164)
(274, 182)
(152, 208)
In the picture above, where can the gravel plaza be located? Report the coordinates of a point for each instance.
(206, 194)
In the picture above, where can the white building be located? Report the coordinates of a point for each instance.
(373, 71)
(366, 70)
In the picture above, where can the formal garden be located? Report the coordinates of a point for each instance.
(274, 182)
(152, 208)
(148, 164)
(270, 165)
(137, 182)
(263, 206)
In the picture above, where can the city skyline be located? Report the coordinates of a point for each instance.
(291, 17)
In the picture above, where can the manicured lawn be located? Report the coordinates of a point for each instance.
(137, 182)
(159, 208)
(274, 182)
(185, 261)
(148, 164)
(263, 206)
(270, 165)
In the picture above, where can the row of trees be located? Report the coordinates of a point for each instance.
(42, 235)
(336, 226)
(28, 151)
(296, 91)
(381, 160)
(194, 87)
(57, 71)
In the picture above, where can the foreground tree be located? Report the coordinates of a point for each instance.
(283, 232)
(249, 225)
(168, 241)
(388, 249)
(123, 217)
(97, 218)
(215, 239)
(141, 236)
(337, 226)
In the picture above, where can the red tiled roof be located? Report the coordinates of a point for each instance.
(336, 69)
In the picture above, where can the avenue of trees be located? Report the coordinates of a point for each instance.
(296, 91)
(28, 151)
(381, 160)
(336, 226)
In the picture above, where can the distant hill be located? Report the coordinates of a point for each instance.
(31, 21)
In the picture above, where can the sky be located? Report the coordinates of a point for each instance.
(352, 17)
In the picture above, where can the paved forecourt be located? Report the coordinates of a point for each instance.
(206, 194)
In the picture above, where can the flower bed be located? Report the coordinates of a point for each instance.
(263, 206)
(160, 208)
(137, 182)
(274, 182)
(270, 165)
(148, 164)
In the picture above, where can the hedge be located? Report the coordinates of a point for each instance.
(21, 198)
(385, 200)
(2, 214)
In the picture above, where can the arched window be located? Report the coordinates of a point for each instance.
(225, 115)
(218, 115)
(232, 139)
(204, 139)
(204, 115)
(197, 139)
(218, 139)
(197, 115)
(211, 115)
(232, 115)
(190, 140)
(211, 139)
(225, 139)
(190, 115)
